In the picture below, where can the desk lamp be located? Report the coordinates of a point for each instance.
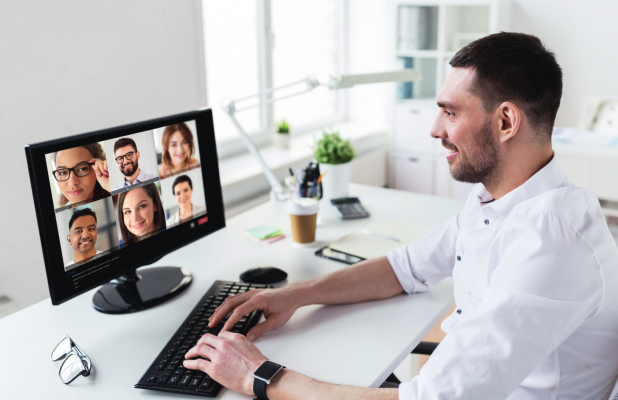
(277, 192)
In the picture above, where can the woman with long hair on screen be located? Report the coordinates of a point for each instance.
(140, 212)
(81, 173)
(178, 150)
(182, 189)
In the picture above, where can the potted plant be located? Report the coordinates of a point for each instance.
(282, 137)
(335, 158)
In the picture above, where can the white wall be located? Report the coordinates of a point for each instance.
(70, 67)
(583, 35)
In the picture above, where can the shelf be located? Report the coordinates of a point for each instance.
(426, 87)
(464, 24)
(417, 28)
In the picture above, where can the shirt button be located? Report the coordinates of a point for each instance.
(458, 258)
(459, 311)
(486, 222)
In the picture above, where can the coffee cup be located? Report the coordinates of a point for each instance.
(303, 216)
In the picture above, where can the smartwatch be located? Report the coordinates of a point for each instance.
(263, 376)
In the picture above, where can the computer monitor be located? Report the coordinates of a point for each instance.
(161, 192)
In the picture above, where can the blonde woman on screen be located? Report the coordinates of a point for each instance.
(178, 150)
(183, 192)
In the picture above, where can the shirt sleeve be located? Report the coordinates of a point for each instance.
(427, 260)
(545, 285)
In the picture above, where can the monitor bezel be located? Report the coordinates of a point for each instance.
(138, 254)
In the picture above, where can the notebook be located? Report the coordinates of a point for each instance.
(370, 246)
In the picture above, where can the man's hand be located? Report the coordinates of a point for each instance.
(233, 360)
(278, 305)
(100, 169)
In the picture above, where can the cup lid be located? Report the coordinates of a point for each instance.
(303, 206)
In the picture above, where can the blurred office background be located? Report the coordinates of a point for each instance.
(74, 66)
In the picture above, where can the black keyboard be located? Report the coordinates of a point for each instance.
(166, 373)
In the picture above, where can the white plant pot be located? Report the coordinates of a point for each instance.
(282, 140)
(336, 180)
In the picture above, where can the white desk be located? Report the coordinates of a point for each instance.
(358, 344)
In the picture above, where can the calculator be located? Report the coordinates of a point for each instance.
(349, 207)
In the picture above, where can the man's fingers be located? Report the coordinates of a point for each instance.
(200, 364)
(239, 312)
(259, 330)
(228, 305)
(209, 339)
(201, 350)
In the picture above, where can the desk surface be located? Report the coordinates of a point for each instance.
(359, 344)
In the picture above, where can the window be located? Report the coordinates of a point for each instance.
(252, 46)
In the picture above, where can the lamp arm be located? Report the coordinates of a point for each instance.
(277, 192)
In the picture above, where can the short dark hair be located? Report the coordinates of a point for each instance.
(122, 142)
(181, 179)
(81, 213)
(515, 67)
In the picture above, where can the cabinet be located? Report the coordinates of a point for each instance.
(427, 35)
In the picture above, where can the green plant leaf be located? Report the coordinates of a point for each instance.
(332, 149)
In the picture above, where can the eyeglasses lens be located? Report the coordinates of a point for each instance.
(61, 349)
(128, 156)
(82, 170)
(71, 368)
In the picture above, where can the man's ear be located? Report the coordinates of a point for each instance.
(509, 118)
(69, 239)
(137, 154)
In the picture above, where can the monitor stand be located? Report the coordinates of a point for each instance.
(139, 290)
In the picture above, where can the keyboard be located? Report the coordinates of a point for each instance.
(166, 373)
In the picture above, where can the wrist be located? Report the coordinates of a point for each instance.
(272, 390)
(304, 293)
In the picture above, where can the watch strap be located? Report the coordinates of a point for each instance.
(259, 388)
(262, 376)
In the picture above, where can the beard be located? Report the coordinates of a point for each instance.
(481, 162)
(130, 171)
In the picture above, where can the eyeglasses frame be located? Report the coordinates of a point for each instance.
(79, 353)
(72, 170)
(125, 156)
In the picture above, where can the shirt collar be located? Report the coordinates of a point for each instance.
(138, 179)
(550, 177)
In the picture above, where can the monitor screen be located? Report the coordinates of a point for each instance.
(111, 201)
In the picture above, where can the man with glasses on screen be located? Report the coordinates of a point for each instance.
(127, 158)
(82, 235)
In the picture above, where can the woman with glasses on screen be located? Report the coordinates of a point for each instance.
(178, 150)
(183, 192)
(140, 212)
(80, 175)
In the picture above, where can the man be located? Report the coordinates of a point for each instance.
(535, 268)
(82, 235)
(127, 158)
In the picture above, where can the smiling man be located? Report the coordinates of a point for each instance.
(534, 265)
(127, 158)
(82, 235)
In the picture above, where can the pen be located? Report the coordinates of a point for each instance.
(366, 232)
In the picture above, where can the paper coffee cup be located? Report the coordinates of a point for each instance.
(303, 215)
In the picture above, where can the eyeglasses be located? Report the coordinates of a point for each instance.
(129, 156)
(76, 362)
(62, 174)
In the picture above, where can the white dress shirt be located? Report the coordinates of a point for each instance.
(141, 177)
(536, 290)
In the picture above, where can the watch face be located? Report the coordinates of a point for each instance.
(267, 370)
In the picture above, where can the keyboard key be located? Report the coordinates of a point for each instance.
(160, 367)
(184, 382)
(173, 381)
(152, 378)
(195, 383)
(179, 371)
(206, 385)
(162, 380)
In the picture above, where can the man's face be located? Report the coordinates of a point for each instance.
(83, 234)
(128, 167)
(466, 130)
